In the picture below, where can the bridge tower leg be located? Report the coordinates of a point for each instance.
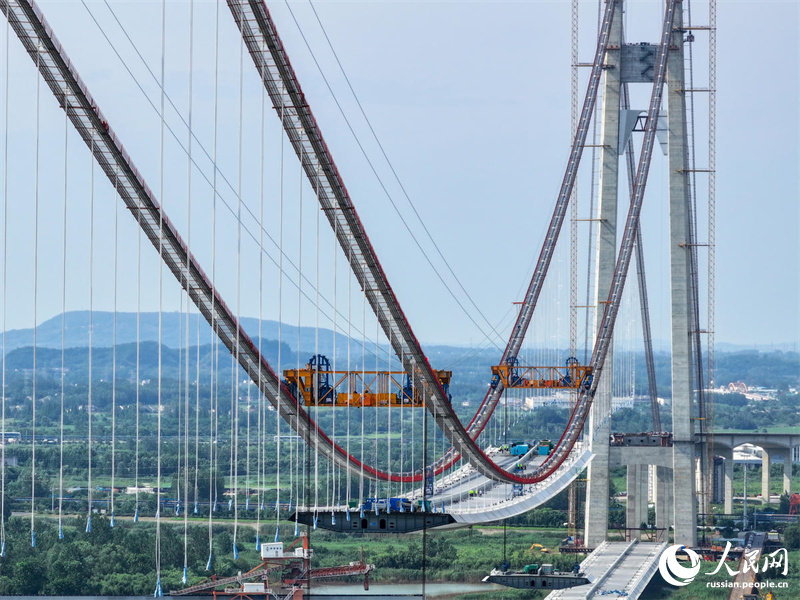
(663, 498)
(644, 496)
(633, 509)
(787, 470)
(765, 475)
(683, 455)
(727, 454)
(637, 498)
(597, 490)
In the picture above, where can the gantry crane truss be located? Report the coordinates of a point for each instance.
(264, 45)
(316, 384)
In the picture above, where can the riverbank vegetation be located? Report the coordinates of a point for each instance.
(120, 560)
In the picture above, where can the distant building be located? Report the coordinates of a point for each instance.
(10, 437)
(737, 386)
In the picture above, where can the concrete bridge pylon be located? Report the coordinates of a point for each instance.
(678, 506)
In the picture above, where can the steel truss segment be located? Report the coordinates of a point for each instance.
(38, 39)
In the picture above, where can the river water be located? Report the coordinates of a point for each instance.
(432, 590)
(400, 590)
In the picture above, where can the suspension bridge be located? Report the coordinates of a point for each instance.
(364, 432)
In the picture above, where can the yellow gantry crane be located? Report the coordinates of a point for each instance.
(317, 384)
(513, 375)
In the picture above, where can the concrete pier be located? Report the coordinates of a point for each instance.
(728, 493)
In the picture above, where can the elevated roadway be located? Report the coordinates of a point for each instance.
(745, 579)
(615, 570)
(473, 498)
(464, 497)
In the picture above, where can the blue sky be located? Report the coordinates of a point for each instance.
(470, 100)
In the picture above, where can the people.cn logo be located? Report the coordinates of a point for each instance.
(672, 571)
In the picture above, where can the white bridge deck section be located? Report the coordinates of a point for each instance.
(493, 500)
(616, 570)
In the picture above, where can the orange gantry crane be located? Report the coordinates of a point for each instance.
(513, 375)
(317, 384)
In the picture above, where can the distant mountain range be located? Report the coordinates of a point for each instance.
(76, 334)
(173, 334)
(770, 367)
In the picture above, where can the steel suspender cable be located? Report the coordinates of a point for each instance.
(197, 419)
(389, 420)
(351, 388)
(114, 359)
(413, 455)
(280, 338)
(247, 455)
(232, 424)
(212, 476)
(317, 361)
(213, 451)
(363, 392)
(234, 367)
(336, 493)
(178, 412)
(91, 339)
(183, 470)
(35, 302)
(158, 591)
(297, 479)
(5, 297)
(261, 416)
(138, 358)
(63, 323)
(402, 431)
(378, 391)
(184, 579)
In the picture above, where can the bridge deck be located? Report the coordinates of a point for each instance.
(493, 500)
(744, 581)
(624, 567)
